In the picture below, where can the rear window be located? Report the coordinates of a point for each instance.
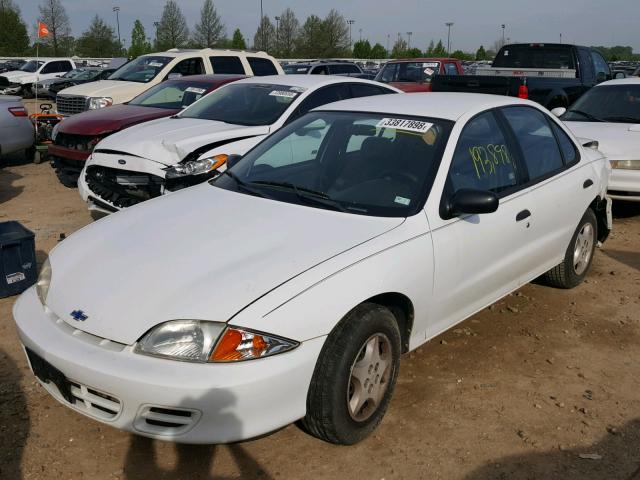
(408, 72)
(262, 66)
(227, 65)
(535, 56)
(344, 68)
(296, 69)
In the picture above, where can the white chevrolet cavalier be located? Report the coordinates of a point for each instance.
(288, 287)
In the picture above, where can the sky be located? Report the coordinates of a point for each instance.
(584, 22)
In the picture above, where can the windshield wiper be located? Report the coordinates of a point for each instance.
(586, 115)
(244, 186)
(621, 119)
(304, 193)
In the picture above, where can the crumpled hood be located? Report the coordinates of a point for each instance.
(202, 253)
(615, 140)
(119, 91)
(18, 76)
(170, 140)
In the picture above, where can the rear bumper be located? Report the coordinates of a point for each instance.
(624, 185)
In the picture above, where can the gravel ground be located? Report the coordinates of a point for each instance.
(542, 385)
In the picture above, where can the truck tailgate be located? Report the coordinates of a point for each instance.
(495, 85)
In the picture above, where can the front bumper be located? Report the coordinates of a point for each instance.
(165, 399)
(624, 185)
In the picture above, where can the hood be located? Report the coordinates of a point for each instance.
(18, 76)
(108, 120)
(616, 141)
(119, 91)
(170, 140)
(202, 253)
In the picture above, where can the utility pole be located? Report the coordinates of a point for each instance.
(503, 27)
(388, 40)
(277, 32)
(409, 43)
(117, 10)
(350, 22)
(449, 25)
(262, 26)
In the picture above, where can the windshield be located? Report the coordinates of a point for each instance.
(296, 69)
(360, 163)
(607, 103)
(535, 56)
(31, 66)
(245, 104)
(174, 94)
(414, 72)
(142, 69)
(81, 74)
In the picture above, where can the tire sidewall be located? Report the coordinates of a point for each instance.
(573, 279)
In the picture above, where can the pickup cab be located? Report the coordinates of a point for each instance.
(553, 75)
(416, 74)
(146, 71)
(22, 81)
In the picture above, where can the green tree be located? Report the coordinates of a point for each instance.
(430, 49)
(14, 39)
(265, 37)
(287, 34)
(481, 54)
(210, 30)
(310, 37)
(378, 51)
(334, 36)
(439, 50)
(54, 16)
(172, 31)
(399, 49)
(139, 43)
(98, 40)
(362, 49)
(413, 53)
(460, 55)
(238, 41)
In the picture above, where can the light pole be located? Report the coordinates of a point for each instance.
(156, 24)
(409, 42)
(360, 34)
(388, 40)
(503, 27)
(117, 10)
(261, 26)
(449, 25)
(277, 32)
(350, 22)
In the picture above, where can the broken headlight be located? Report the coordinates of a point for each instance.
(196, 167)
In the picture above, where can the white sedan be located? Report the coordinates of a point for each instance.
(166, 155)
(610, 114)
(288, 287)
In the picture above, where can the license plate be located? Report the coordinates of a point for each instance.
(50, 374)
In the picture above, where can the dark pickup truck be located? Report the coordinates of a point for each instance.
(554, 75)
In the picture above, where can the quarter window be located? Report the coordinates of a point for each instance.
(190, 66)
(569, 152)
(261, 66)
(228, 65)
(539, 147)
(451, 68)
(482, 159)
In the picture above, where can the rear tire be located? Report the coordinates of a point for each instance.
(578, 257)
(354, 377)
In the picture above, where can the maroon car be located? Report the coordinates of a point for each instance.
(75, 137)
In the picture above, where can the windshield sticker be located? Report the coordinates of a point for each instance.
(506, 53)
(283, 93)
(301, 70)
(487, 158)
(428, 71)
(430, 65)
(197, 90)
(404, 124)
(402, 201)
(155, 64)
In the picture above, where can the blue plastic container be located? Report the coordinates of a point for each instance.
(18, 269)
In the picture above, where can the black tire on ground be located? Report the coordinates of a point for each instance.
(30, 154)
(367, 328)
(66, 179)
(579, 255)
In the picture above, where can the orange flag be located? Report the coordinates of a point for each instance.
(43, 30)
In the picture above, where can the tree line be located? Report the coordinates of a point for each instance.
(288, 38)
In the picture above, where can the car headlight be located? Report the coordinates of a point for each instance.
(197, 167)
(44, 280)
(626, 164)
(202, 342)
(54, 132)
(100, 102)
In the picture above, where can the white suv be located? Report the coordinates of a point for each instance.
(144, 72)
(22, 81)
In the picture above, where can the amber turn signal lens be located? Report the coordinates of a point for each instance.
(227, 348)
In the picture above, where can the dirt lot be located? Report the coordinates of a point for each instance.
(520, 391)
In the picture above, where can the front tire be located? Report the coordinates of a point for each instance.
(355, 376)
(579, 255)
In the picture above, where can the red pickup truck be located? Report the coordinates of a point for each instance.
(75, 137)
(414, 74)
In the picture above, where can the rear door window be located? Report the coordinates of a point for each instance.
(365, 90)
(228, 65)
(321, 70)
(343, 69)
(322, 96)
(262, 66)
(540, 150)
(451, 69)
(190, 66)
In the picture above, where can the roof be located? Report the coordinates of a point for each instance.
(424, 59)
(179, 52)
(620, 81)
(449, 105)
(308, 81)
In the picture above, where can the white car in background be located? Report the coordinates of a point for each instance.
(610, 114)
(287, 287)
(23, 81)
(165, 155)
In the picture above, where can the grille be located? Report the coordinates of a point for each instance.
(94, 402)
(166, 421)
(123, 188)
(71, 104)
(76, 142)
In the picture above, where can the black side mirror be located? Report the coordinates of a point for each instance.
(470, 201)
(233, 159)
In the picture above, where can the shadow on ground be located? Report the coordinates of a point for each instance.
(14, 419)
(617, 456)
(625, 209)
(7, 188)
